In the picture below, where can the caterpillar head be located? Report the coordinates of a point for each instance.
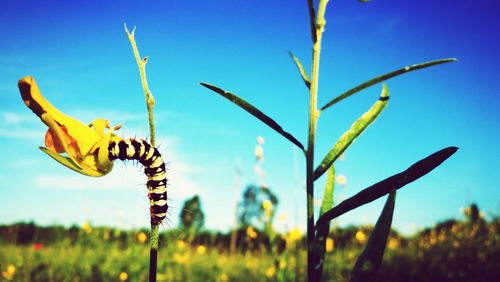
(82, 148)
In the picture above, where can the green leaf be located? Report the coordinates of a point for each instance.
(356, 129)
(301, 69)
(327, 202)
(319, 246)
(312, 19)
(255, 112)
(369, 261)
(385, 77)
(387, 185)
(67, 162)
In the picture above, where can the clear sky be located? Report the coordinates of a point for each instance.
(80, 56)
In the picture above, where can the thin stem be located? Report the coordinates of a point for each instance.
(313, 118)
(141, 63)
(153, 252)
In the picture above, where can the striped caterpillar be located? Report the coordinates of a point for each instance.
(91, 149)
(154, 168)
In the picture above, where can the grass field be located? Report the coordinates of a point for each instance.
(466, 250)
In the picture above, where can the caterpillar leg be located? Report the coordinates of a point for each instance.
(154, 168)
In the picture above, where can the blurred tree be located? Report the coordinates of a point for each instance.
(192, 216)
(257, 207)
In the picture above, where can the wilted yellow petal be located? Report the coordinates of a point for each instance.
(68, 135)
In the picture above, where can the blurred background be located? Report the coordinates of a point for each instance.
(80, 56)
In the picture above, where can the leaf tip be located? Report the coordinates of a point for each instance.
(385, 92)
(207, 85)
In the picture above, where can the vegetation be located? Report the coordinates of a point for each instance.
(370, 259)
(105, 254)
(465, 250)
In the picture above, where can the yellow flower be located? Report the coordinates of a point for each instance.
(259, 152)
(361, 236)
(9, 273)
(267, 205)
(270, 272)
(293, 236)
(181, 259)
(86, 227)
(282, 264)
(85, 146)
(341, 180)
(329, 245)
(123, 276)
(393, 243)
(181, 244)
(142, 237)
(251, 232)
(201, 249)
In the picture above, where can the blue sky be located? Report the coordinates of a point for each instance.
(80, 56)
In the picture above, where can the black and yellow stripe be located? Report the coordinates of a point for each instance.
(154, 168)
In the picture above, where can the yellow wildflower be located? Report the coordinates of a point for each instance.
(293, 236)
(9, 273)
(393, 243)
(270, 272)
(181, 244)
(341, 180)
(86, 227)
(282, 264)
(267, 205)
(83, 144)
(251, 232)
(201, 249)
(282, 216)
(181, 259)
(259, 152)
(123, 276)
(142, 237)
(329, 245)
(361, 237)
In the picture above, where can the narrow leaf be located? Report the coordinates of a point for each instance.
(356, 129)
(327, 202)
(301, 69)
(319, 246)
(385, 186)
(369, 261)
(312, 19)
(255, 112)
(67, 162)
(385, 77)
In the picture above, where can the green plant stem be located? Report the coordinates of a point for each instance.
(313, 118)
(141, 63)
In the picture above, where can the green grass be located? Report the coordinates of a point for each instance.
(451, 251)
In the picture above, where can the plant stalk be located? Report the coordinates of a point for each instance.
(141, 63)
(318, 27)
